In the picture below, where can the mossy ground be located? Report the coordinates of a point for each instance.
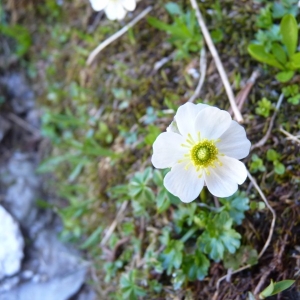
(105, 104)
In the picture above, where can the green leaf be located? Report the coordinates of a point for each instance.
(279, 53)
(219, 236)
(279, 168)
(180, 32)
(185, 215)
(162, 201)
(275, 288)
(258, 52)
(92, 239)
(172, 256)
(294, 100)
(295, 61)
(236, 205)
(285, 76)
(257, 164)
(281, 286)
(196, 266)
(20, 34)
(152, 133)
(138, 186)
(272, 155)
(50, 164)
(264, 107)
(267, 291)
(284, 7)
(158, 178)
(178, 278)
(290, 90)
(289, 31)
(173, 8)
(130, 290)
(245, 255)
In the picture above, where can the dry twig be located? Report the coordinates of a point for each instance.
(159, 64)
(203, 65)
(114, 224)
(267, 243)
(267, 135)
(23, 124)
(115, 36)
(218, 62)
(290, 136)
(243, 93)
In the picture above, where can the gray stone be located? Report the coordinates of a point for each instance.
(52, 257)
(21, 97)
(24, 189)
(11, 245)
(59, 288)
(4, 127)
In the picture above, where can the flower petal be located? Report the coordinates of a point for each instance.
(99, 4)
(173, 127)
(167, 150)
(129, 4)
(185, 184)
(186, 116)
(222, 180)
(115, 11)
(212, 122)
(233, 142)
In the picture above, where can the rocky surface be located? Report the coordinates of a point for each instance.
(43, 267)
(12, 243)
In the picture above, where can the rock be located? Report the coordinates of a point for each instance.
(4, 127)
(86, 293)
(20, 98)
(11, 245)
(51, 258)
(23, 190)
(60, 288)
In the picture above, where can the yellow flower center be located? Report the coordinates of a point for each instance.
(204, 154)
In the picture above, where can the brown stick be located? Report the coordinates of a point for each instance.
(218, 62)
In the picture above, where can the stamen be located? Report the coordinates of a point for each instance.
(187, 166)
(185, 146)
(204, 154)
(191, 138)
(190, 142)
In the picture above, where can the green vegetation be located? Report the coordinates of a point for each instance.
(101, 122)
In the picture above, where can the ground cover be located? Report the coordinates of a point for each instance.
(102, 120)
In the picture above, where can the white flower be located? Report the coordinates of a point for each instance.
(114, 9)
(202, 147)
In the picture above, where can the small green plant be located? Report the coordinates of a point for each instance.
(184, 32)
(272, 289)
(281, 55)
(292, 94)
(207, 232)
(245, 255)
(130, 289)
(257, 164)
(274, 157)
(264, 107)
(20, 35)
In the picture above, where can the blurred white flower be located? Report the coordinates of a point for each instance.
(202, 147)
(114, 9)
